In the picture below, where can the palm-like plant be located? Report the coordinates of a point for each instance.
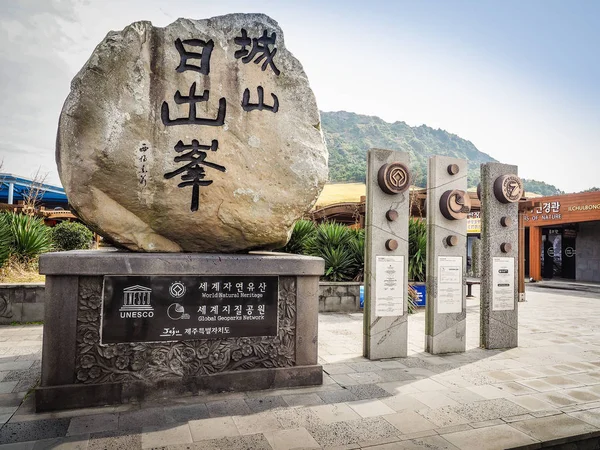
(417, 248)
(334, 243)
(30, 237)
(303, 230)
(6, 239)
(357, 247)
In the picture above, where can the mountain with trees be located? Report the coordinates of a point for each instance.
(349, 136)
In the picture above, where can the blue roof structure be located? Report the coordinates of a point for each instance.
(20, 188)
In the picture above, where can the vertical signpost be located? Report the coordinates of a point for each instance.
(448, 206)
(385, 323)
(501, 190)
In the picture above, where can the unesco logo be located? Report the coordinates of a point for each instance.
(177, 289)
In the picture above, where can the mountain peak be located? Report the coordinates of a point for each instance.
(349, 135)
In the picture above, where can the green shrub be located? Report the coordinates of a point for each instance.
(29, 236)
(72, 236)
(303, 230)
(417, 248)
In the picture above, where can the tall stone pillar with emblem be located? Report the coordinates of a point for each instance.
(385, 333)
(448, 206)
(501, 190)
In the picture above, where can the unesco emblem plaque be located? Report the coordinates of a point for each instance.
(508, 188)
(393, 178)
(174, 308)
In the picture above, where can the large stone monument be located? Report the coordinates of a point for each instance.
(203, 136)
(448, 205)
(501, 190)
(385, 321)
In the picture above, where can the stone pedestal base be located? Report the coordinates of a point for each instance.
(78, 370)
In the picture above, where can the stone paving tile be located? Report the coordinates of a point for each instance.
(12, 399)
(257, 423)
(339, 412)
(489, 409)
(463, 396)
(166, 435)
(291, 439)
(532, 403)
(116, 440)
(337, 396)
(141, 418)
(370, 408)
(489, 392)
(428, 385)
(429, 443)
(517, 418)
(390, 365)
(366, 377)
(497, 437)
(513, 388)
(553, 427)
(487, 423)
(214, 428)
(591, 416)
(349, 432)
(562, 382)
(344, 379)
(7, 387)
(265, 403)
(398, 387)
(337, 369)
(546, 413)
(396, 375)
(409, 422)
(403, 402)
(80, 442)
(539, 385)
(368, 391)
(332, 434)
(366, 366)
(302, 400)
(249, 442)
(433, 399)
(443, 417)
(33, 430)
(230, 407)
(296, 418)
(583, 394)
(93, 424)
(557, 399)
(185, 413)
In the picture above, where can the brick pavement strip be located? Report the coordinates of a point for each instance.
(547, 389)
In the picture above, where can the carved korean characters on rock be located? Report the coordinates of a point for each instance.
(200, 136)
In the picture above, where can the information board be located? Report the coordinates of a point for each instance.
(450, 284)
(389, 288)
(503, 288)
(174, 308)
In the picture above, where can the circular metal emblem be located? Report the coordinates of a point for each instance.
(177, 289)
(393, 178)
(455, 204)
(569, 252)
(508, 188)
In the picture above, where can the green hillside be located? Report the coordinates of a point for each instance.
(350, 135)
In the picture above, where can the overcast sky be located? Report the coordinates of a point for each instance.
(518, 78)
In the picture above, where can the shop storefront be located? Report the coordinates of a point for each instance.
(562, 238)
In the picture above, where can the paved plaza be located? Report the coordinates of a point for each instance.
(546, 390)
